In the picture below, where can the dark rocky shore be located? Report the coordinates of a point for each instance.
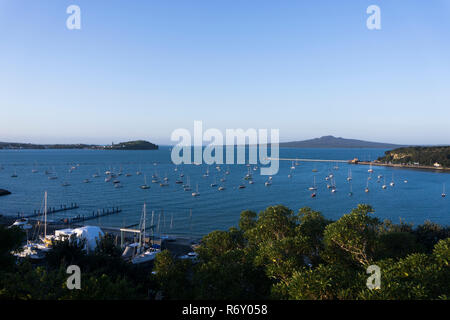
(4, 192)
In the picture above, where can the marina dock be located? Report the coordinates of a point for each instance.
(52, 210)
(95, 215)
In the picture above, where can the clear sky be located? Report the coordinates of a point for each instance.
(140, 69)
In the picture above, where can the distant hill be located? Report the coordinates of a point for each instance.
(133, 145)
(130, 145)
(333, 142)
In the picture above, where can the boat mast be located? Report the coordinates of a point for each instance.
(190, 224)
(143, 241)
(45, 215)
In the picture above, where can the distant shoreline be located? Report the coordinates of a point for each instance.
(129, 145)
(405, 166)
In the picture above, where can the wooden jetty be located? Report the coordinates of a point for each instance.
(52, 210)
(95, 215)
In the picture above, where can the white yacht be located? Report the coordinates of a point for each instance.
(196, 193)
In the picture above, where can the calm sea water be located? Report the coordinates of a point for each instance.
(415, 201)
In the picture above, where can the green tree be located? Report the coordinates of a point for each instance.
(10, 241)
(352, 236)
(172, 276)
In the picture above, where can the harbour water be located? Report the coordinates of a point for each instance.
(415, 197)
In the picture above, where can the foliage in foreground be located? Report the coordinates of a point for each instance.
(276, 254)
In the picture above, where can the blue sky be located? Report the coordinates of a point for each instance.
(140, 69)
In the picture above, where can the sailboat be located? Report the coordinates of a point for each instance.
(351, 190)
(292, 166)
(349, 178)
(333, 185)
(53, 176)
(367, 186)
(187, 187)
(392, 182)
(290, 174)
(36, 250)
(370, 170)
(443, 191)
(384, 185)
(196, 194)
(179, 181)
(165, 181)
(145, 185)
(314, 185)
(214, 184)
(14, 175)
(139, 172)
(149, 254)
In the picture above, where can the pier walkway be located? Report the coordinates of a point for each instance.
(308, 160)
(52, 210)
